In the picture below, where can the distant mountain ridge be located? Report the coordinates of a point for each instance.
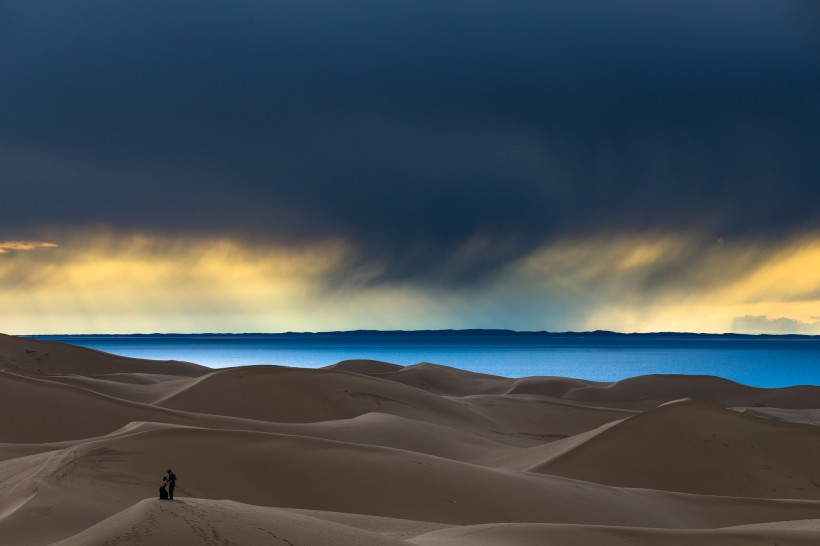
(457, 333)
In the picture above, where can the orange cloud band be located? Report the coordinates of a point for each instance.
(7, 246)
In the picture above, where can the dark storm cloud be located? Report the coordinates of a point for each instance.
(411, 129)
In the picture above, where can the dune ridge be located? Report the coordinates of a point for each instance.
(49, 357)
(366, 452)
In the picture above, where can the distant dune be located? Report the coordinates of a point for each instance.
(371, 453)
(51, 358)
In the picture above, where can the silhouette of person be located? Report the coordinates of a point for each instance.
(163, 494)
(172, 482)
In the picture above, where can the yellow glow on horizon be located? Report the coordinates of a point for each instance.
(121, 284)
(143, 285)
(783, 286)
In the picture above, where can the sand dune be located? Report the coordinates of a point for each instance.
(638, 393)
(365, 367)
(379, 429)
(49, 411)
(430, 377)
(291, 395)
(366, 452)
(696, 447)
(542, 419)
(147, 392)
(48, 357)
(665, 388)
(534, 534)
(547, 386)
(199, 521)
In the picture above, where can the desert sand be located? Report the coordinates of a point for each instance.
(371, 453)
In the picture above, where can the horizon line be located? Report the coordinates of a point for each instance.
(461, 331)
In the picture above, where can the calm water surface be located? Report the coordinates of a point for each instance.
(759, 362)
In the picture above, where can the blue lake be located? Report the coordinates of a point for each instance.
(763, 362)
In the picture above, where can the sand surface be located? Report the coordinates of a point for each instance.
(366, 452)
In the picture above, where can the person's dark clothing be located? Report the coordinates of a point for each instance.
(172, 481)
(163, 494)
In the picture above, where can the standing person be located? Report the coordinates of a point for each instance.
(163, 493)
(172, 481)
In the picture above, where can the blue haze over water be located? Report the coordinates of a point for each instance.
(769, 361)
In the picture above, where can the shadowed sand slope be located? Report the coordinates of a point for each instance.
(541, 418)
(432, 377)
(448, 381)
(665, 388)
(143, 392)
(533, 534)
(48, 357)
(42, 410)
(696, 447)
(365, 367)
(48, 411)
(366, 452)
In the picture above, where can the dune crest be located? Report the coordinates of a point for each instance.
(35, 356)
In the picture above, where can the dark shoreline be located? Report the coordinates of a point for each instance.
(467, 333)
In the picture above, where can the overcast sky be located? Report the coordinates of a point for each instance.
(530, 164)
